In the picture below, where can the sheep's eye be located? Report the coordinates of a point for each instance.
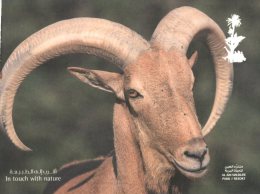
(131, 93)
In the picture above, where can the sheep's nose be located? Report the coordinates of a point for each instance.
(196, 149)
(197, 153)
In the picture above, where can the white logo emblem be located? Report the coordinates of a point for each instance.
(233, 41)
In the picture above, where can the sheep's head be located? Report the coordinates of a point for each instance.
(160, 98)
(157, 90)
(156, 84)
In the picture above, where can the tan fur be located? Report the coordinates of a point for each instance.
(146, 144)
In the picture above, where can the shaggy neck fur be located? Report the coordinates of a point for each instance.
(140, 169)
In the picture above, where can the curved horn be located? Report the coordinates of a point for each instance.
(177, 30)
(99, 37)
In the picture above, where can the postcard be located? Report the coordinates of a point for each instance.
(130, 97)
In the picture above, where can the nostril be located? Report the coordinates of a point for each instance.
(196, 154)
(191, 154)
(187, 153)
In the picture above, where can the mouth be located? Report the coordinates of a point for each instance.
(191, 172)
(202, 169)
(190, 168)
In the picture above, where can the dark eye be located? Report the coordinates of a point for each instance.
(131, 93)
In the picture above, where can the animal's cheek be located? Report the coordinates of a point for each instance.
(140, 107)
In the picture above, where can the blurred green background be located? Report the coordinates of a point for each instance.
(63, 120)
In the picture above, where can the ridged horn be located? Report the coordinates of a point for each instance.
(99, 37)
(177, 30)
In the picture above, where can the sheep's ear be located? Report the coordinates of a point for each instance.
(193, 59)
(107, 81)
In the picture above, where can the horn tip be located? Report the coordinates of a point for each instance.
(22, 147)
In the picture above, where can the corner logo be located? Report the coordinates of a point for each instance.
(233, 41)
